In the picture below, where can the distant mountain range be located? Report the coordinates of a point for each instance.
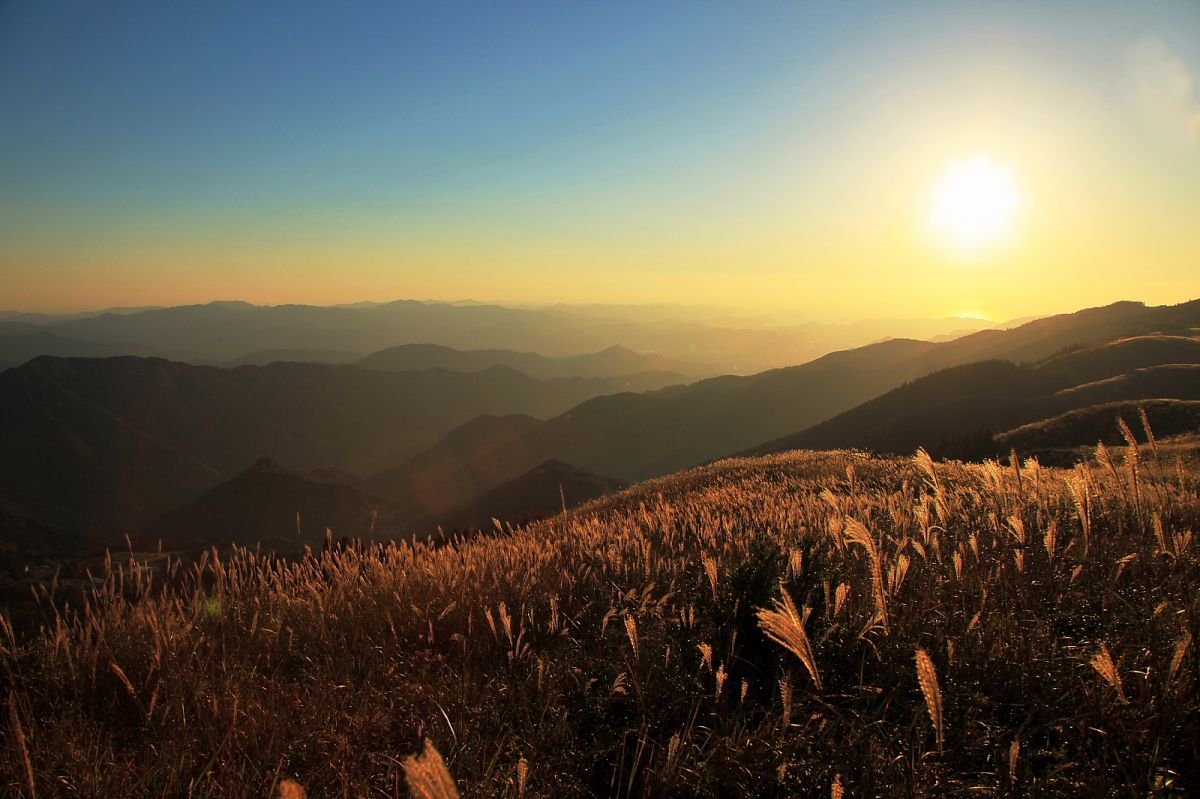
(635, 436)
(21, 342)
(299, 355)
(611, 362)
(99, 447)
(219, 333)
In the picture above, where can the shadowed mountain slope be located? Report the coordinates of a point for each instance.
(632, 437)
(1061, 436)
(1179, 380)
(283, 510)
(20, 344)
(538, 494)
(1096, 363)
(103, 446)
(460, 467)
(275, 507)
(955, 411)
(132, 438)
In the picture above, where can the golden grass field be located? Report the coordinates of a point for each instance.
(805, 624)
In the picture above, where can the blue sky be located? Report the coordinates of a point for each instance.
(167, 149)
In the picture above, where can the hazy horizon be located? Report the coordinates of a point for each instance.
(765, 315)
(878, 161)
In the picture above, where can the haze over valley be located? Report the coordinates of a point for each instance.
(100, 448)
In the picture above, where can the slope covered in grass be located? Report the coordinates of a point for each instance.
(935, 629)
(957, 410)
(1084, 427)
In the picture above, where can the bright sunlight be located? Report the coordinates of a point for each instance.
(974, 205)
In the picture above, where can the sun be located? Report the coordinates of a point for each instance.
(974, 205)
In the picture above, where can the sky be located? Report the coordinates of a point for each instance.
(768, 155)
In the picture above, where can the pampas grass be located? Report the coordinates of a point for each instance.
(593, 648)
(427, 775)
(927, 678)
(857, 533)
(1103, 663)
(785, 626)
(18, 740)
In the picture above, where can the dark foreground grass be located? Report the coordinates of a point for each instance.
(935, 630)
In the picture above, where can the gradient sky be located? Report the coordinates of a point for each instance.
(773, 154)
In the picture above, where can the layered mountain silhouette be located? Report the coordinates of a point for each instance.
(636, 436)
(283, 511)
(471, 459)
(274, 507)
(611, 362)
(20, 343)
(104, 446)
(295, 355)
(954, 412)
(220, 332)
(543, 491)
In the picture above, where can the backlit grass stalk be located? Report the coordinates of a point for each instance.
(427, 775)
(927, 678)
(857, 533)
(785, 626)
(1103, 663)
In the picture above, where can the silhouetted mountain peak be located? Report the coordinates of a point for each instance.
(267, 465)
(541, 492)
(552, 465)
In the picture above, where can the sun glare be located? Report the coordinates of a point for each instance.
(974, 205)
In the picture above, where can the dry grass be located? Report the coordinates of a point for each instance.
(927, 678)
(785, 626)
(428, 777)
(617, 650)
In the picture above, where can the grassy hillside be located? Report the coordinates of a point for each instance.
(956, 411)
(1061, 436)
(765, 627)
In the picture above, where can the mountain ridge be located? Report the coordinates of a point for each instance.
(634, 437)
(134, 437)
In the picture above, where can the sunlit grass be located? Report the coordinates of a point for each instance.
(926, 628)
